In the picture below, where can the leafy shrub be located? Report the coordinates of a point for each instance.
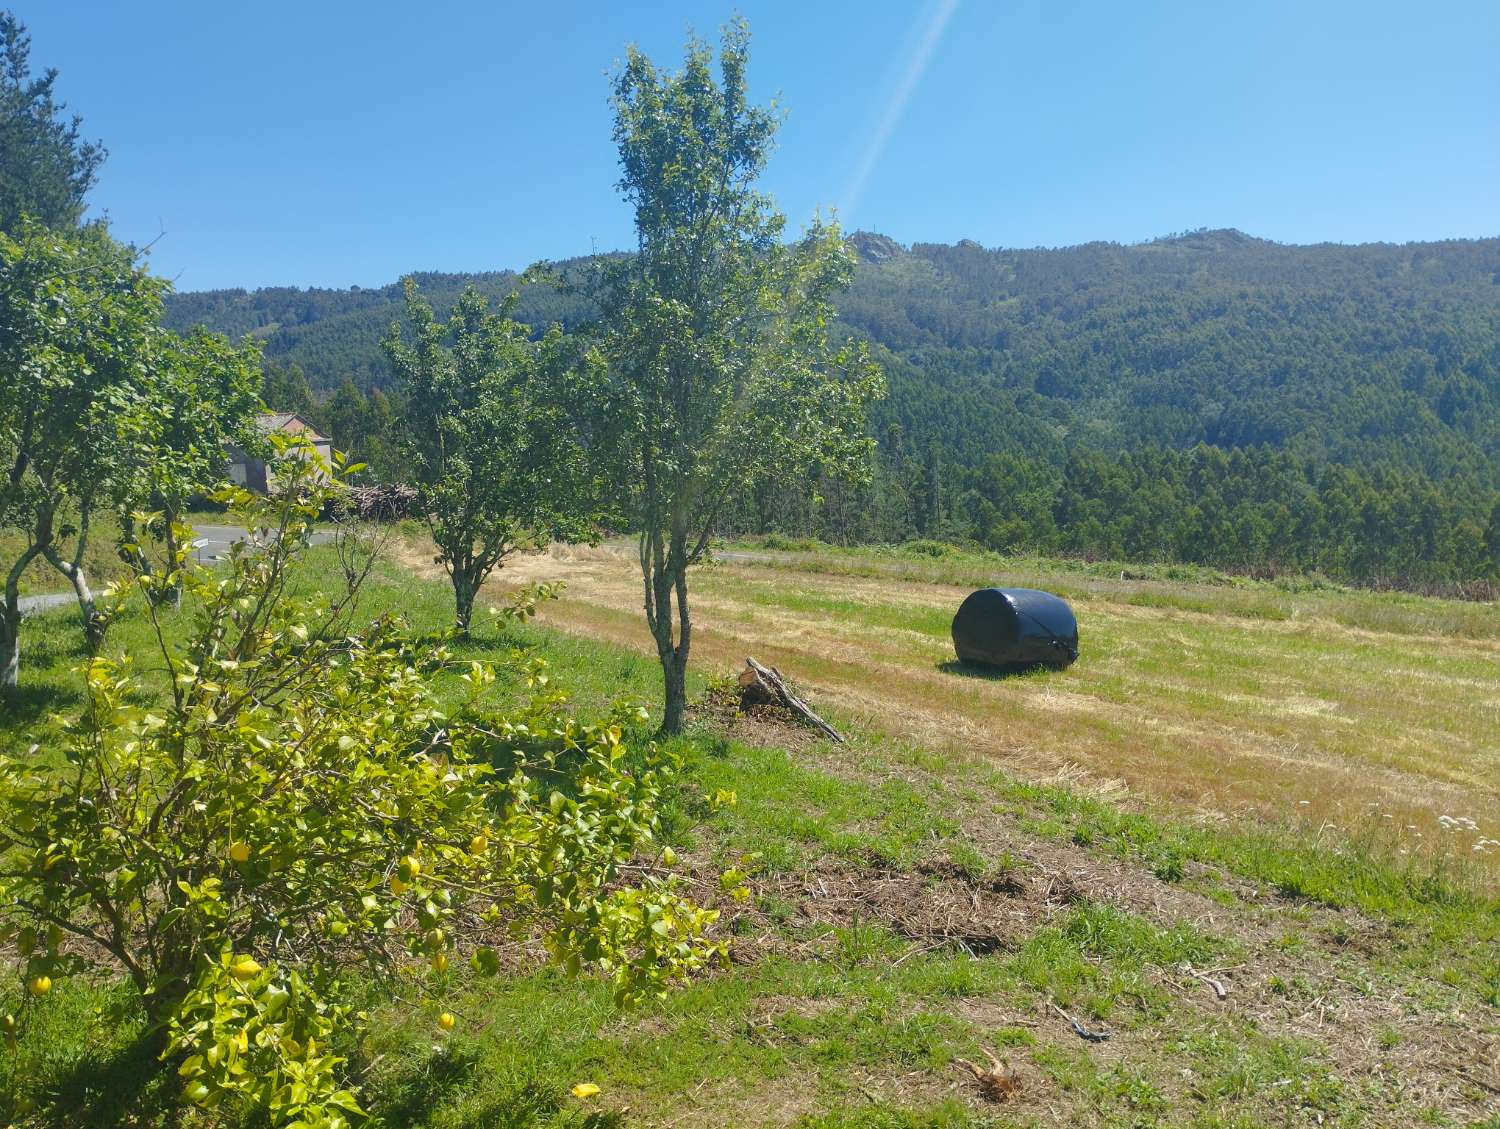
(926, 548)
(781, 543)
(284, 802)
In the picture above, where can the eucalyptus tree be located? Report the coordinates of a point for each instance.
(723, 370)
(497, 463)
(79, 339)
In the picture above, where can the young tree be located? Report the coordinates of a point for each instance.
(204, 393)
(721, 366)
(79, 337)
(496, 462)
(46, 168)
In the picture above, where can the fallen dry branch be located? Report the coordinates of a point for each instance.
(1213, 982)
(760, 684)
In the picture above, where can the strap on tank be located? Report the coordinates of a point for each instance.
(1071, 652)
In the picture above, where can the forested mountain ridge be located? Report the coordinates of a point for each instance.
(1375, 352)
(335, 334)
(1209, 397)
(1347, 353)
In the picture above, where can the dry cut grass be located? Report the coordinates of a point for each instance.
(1186, 692)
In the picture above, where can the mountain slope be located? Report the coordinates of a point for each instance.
(1349, 353)
(1372, 354)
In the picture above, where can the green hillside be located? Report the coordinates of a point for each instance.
(1373, 352)
(334, 334)
(1207, 397)
(1353, 353)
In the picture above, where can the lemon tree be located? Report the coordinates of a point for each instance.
(241, 823)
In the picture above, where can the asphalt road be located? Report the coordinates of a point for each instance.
(214, 543)
(30, 605)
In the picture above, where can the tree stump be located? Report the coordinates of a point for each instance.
(761, 685)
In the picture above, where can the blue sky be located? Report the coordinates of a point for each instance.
(331, 143)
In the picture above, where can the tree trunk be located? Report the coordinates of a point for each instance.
(675, 680)
(10, 647)
(93, 623)
(463, 601)
(136, 558)
(10, 621)
(664, 570)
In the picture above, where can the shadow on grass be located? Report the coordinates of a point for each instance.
(531, 1105)
(992, 673)
(25, 705)
(449, 1083)
(52, 649)
(118, 1086)
(426, 1087)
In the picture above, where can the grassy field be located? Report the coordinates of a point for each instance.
(924, 896)
(1372, 714)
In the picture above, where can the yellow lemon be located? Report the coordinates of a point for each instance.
(244, 968)
(440, 963)
(585, 1090)
(239, 851)
(41, 985)
(446, 1021)
(478, 845)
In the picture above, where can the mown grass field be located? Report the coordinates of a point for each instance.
(922, 897)
(1369, 713)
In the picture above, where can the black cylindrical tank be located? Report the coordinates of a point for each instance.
(1015, 629)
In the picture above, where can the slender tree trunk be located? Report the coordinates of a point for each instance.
(10, 646)
(674, 652)
(674, 671)
(93, 624)
(676, 675)
(136, 558)
(10, 621)
(664, 570)
(174, 597)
